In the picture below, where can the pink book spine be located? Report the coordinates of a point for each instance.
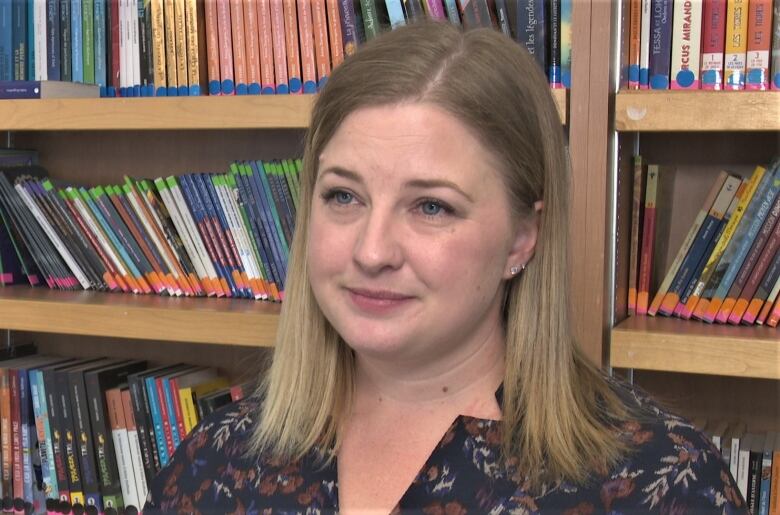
(280, 53)
(212, 46)
(227, 86)
(265, 40)
(306, 33)
(251, 36)
(759, 45)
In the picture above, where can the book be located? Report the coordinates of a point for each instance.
(135, 446)
(306, 34)
(121, 444)
(655, 232)
(172, 47)
(212, 47)
(158, 48)
(686, 44)
(47, 89)
(251, 35)
(736, 44)
(291, 31)
(639, 178)
(531, 29)
(192, 47)
(644, 46)
(660, 43)
(775, 68)
(334, 31)
(239, 46)
(758, 45)
(279, 47)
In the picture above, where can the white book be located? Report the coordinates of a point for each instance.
(743, 462)
(772, 297)
(123, 48)
(644, 46)
(686, 44)
(39, 20)
(53, 237)
(136, 458)
(135, 48)
(124, 464)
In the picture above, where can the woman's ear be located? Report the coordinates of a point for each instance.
(525, 242)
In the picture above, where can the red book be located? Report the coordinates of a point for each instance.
(746, 299)
(164, 415)
(306, 33)
(334, 30)
(759, 45)
(713, 43)
(16, 435)
(321, 46)
(291, 45)
(212, 47)
(177, 407)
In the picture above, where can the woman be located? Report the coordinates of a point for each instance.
(424, 360)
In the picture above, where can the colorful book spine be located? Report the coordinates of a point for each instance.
(212, 47)
(761, 297)
(239, 46)
(99, 46)
(433, 8)
(158, 48)
(265, 41)
(191, 47)
(226, 70)
(121, 442)
(157, 421)
(639, 174)
(735, 51)
(136, 454)
(713, 44)
(279, 47)
(172, 47)
(644, 46)
(292, 47)
(554, 70)
(566, 48)
(145, 53)
(77, 41)
(660, 43)
(308, 58)
(251, 35)
(334, 31)
(395, 13)
(349, 34)
(370, 18)
(88, 39)
(6, 41)
(53, 58)
(321, 46)
(775, 46)
(758, 45)
(634, 38)
(686, 44)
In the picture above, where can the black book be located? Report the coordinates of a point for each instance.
(211, 402)
(97, 382)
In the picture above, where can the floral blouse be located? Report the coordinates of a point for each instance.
(675, 470)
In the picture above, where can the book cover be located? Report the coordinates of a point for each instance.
(686, 44)
(727, 187)
(735, 51)
(121, 444)
(758, 45)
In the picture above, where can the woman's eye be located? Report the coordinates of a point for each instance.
(431, 208)
(343, 197)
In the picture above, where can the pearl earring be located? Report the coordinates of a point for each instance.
(516, 269)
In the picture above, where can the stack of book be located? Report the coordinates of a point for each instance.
(728, 268)
(94, 432)
(703, 44)
(200, 234)
(188, 47)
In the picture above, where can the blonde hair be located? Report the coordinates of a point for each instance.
(559, 411)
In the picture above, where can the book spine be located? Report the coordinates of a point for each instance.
(395, 13)
(176, 407)
(634, 39)
(149, 457)
(648, 238)
(212, 47)
(157, 421)
(263, 212)
(137, 471)
(636, 231)
(48, 483)
(135, 48)
(531, 30)
(121, 444)
(5, 435)
(758, 45)
(279, 46)
(19, 42)
(775, 47)
(686, 44)
(25, 435)
(554, 69)
(35, 39)
(83, 439)
(164, 385)
(266, 47)
(644, 45)
(145, 52)
(66, 50)
(414, 10)
(180, 38)
(713, 44)
(225, 48)
(349, 37)
(371, 20)
(17, 483)
(251, 35)
(6, 41)
(735, 51)
(566, 47)
(171, 57)
(192, 47)
(99, 23)
(308, 57)
(334, 31)
(292, 51)
(660, 43)
(88, 39)
(239, 45)
(57, 433)
(70, 447)
(158, 48)
(53, 60)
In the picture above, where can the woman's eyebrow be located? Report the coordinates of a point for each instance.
(437, 183)
(341, 172)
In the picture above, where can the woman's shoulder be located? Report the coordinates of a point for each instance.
(670, 466)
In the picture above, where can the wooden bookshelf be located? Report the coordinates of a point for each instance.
(240, 322)
(653, 111)
(668, 344)
(174, 113)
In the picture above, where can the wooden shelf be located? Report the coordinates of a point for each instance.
(650, 111)
(173, 113)
(198, 320)
(158, 113)
(668, 344)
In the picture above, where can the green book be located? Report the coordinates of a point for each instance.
(88, 40)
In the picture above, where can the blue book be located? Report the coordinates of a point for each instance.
(247, 203)
(31, 40)
(41, 411)
(531, 29)
(272, 229)
(660, 43)
(157, 422)
(264, 223)
(35, 395)
(53, 65)
(211, 196)
(6, 41)
(19, 42)
(195, 205)
(219, 236)
(166, 384)
(395, 12)
(76, 42)
(25, 417)
(273, 172)
(99, 30)
(265, 187)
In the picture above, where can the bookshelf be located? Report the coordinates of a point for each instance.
(700, 370)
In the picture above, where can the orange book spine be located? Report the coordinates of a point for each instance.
(280, 46)
(192, 29)
(334, 30)
(291, 44)
(227, 86)
(759, 45)
(169, 10)
(770, 300)
(774, 489)
(306, 33)
(251, 35)
(239, 45)
(774, 315)
(265, 40)
(321, 46)
(182, 76)
(212, 46)
(635, 31)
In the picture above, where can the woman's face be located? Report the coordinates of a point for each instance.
(411, 234)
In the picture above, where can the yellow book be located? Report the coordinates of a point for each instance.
(188, 409)
(158, 47)
(735, 52)
(181, 48)
(191, 28)
(169, 28)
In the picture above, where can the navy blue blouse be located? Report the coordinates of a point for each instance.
(674, 469)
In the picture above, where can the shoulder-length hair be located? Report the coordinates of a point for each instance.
(559, 411)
